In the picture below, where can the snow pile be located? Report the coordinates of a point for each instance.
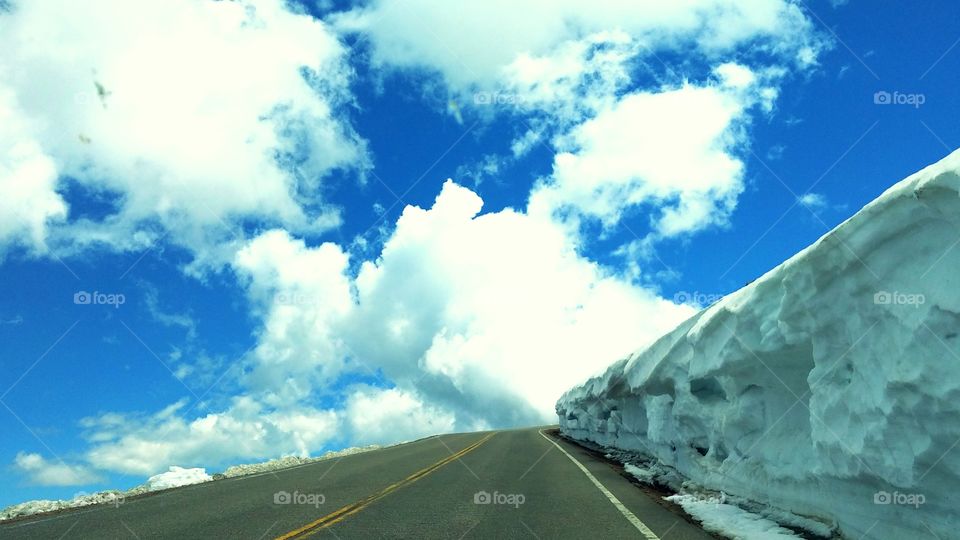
(81, 499)
(828, 388)
(267, 466)
(731, 520)
(733, 517)
(643, 474)
(292, 461)
(176, 477)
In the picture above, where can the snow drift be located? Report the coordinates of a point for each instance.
(828, 388)
(176, 477)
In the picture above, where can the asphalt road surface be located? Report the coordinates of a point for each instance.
(503, 484)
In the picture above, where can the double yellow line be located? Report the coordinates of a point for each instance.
(343, 513)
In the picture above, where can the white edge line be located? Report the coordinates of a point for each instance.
(634, 520)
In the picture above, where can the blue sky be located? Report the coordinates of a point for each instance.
(268, 308)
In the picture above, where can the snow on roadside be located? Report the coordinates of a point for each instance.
(644, 475)
(292, 461)
(175, 477)
(80, 499)
(730, 520)
(731, 517)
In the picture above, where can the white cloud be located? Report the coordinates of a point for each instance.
(15, 321)
(27, 180)
(193, 132)
(146, 445)
(485, 168)
(813, 201)
(471, 43)
(461, 309)
(302, 293)
(477, 308)
(575, 80)
(674, 147)
(776, 151)
(379, 416)
(182, 320)
(479, 320)
(631, 131)
(43, 472)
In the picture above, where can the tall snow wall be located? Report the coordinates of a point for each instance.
(829, 387)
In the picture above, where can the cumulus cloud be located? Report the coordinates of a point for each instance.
(239, 117)
(461, 308)
(813, 201)
(477, 320)
(43, 472)
(378, 415)
(302, 294)
(28, 201)
(632, 132)
(147, 444)
(471, 44)
(672, 147)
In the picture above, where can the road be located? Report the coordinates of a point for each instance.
(505, 484)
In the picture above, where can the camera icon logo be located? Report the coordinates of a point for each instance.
(882, 298)
(882, 98)
(82, 298)
(882, 497)
(282, 497)
(482, 497)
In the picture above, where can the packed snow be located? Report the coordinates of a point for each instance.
(731, 520)
(828, 389)
(729, 516)
(174, 477)
(80, 499)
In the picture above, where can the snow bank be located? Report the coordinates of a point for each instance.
(828, 388)
(293, 461)
(731, 520)
(80, 499)
(176, 477)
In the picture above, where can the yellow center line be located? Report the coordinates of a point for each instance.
(353, 508)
